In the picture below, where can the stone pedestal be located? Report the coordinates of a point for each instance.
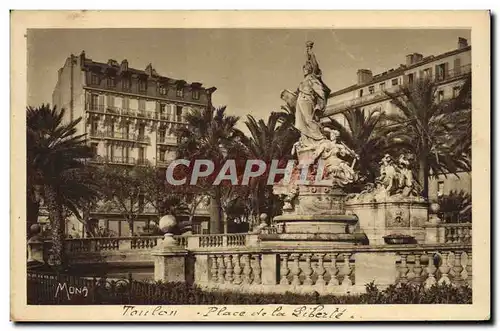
(376, 267)
(170, 261)
(35, 250)
(379, 219)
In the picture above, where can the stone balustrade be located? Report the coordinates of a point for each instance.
(342, 270)
(457, 233)
(239, 262)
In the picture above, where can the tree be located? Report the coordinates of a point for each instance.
(57, 173)
(267, 142)
(365, 137)
(425, 127)
(210, 134)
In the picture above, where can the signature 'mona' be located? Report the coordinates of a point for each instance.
(71, 290)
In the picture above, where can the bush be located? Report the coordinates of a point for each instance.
(181, 293)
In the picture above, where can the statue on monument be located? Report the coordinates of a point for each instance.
(309, 100)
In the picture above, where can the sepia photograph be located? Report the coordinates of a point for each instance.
(291, 172)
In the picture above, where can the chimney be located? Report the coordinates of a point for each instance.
(124, 65)
(417, 57)
(149, 69)
(462, 43)
(364, 76)
(413, 58)
(409, 59)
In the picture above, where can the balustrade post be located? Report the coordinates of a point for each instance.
(202, 269)
(222, 269)
(229, 268)
(214, 268)
(346, 271)
(237, 269)
(169, 261)
(247, 269)
(333, 270)
(125, 244)
(193, 242)
(224, 240)
(320, 271)
(284, 270)
(417, 269)
(457, 268)
(403, 268)
(257, 277)
(295, 270)
(431, 269)
(444, 268)
(308, 270)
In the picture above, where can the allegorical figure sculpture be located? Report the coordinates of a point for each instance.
(309, 100)
(336, 168)
(395, 182)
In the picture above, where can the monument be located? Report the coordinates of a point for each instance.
(314, 197)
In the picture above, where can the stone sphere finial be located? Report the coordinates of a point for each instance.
(35, 229)
(434, 207)
(263, 218)
(167, 223)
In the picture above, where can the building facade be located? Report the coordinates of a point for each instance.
(130, 119)
(448, 70)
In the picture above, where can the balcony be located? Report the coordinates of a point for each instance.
(167, 140)
(117, 135)
(114, 160)
(378, 96)
(111, 110)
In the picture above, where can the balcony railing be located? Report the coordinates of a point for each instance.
(380, 95)
(114, 159)
(120, 136)
(167, 140)
(132, 113)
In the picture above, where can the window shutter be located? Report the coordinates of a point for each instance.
(456, 66)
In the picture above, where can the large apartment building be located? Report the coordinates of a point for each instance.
(448, 70)
(130, 119)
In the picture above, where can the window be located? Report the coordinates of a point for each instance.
(126, 83)
(125, 103)
(110, 102)
(141, 155)
(178, 113)
(94, 79)
(142, 105)
(440, 188)
(394, 82)
(163, 90)
(93, 148)
(382, 86)
(125, 130)
(427, 73)
(371, 89)
(161, 135)
(360, 93)
(111, 82)
(162, 109)
(162, 154)
(411, 78)
(142, 85)
(93, 127)
(111, 129)
(440, 95)
(180, 92)
(456, 91)
(94, 101)
(196, 94)
(141, 131)
(441, 71)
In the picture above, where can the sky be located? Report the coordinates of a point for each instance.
(249, 67)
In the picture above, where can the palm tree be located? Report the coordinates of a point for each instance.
(267, 142)
(363, 135)
(425, 126)
(210, 134)
(57, 174)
